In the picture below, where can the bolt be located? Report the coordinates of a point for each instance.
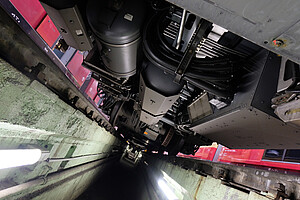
(278, 42)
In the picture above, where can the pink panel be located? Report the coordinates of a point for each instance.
(91, 89)
(48, 31)
(80, 73)
(31, 10)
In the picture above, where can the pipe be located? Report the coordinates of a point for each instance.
(183, 17)
(56, 176)
(74, 158)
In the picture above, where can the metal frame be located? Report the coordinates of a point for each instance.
(274, 26)
(249, 121)
(190, 50)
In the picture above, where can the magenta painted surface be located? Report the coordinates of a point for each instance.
(48, 31)
(91, 90)
(78, 71)
(206, 153)
(253, 157)
(31, 10)
(203, 153)
(241, 156)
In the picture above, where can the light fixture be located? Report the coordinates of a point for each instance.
(19, 157)
(167, 191)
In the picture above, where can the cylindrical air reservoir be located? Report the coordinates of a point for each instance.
(116, 25)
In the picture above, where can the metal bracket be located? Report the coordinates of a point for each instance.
(44, 177)
(190, 51)
(281, 192)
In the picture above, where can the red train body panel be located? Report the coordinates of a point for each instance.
(204, 153)
(80, 73)
(253, 157)
(91, 90)
(207, 153)
(48, 31)
(241, 156)
(33, 12)
(36, 16)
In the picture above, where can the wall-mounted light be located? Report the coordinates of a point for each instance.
(19, 157)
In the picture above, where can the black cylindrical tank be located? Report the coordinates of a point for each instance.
(159, 81)
(117, 24)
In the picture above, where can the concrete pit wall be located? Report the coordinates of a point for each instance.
(200, 187)
(32, 116)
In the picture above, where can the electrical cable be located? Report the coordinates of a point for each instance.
(210, 74)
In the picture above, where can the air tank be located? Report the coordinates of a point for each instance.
(116, 25)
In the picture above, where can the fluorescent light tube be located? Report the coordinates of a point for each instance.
(19, 157)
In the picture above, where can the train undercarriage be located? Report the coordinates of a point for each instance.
(168, 79)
